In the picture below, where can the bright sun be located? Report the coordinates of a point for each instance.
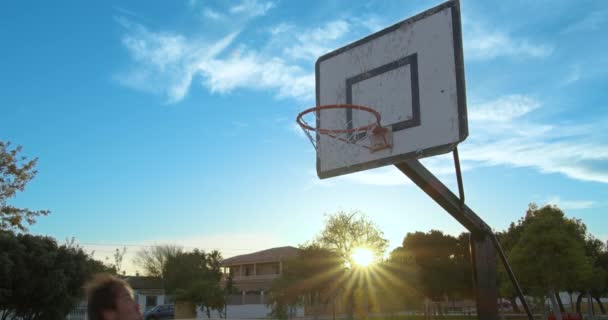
(363, 257)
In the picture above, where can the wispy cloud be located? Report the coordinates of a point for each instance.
(482, 43)
(517, 141)
(313, 43)
(570, 204)
(281, 28)
(125, 11)
(505, 108)
(212, 14)
(252, 7)
(373, 23)
(166, 63)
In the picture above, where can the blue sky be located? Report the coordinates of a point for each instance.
(174, 121)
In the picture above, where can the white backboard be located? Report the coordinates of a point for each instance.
(413, 74)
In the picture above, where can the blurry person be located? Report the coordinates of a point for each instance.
(111, 298)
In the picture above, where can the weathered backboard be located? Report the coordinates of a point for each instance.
(413, 74)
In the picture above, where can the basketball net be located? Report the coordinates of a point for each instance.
(366, 134)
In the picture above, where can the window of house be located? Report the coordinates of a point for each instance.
(270, 268)
(248, 270)
(151, 301)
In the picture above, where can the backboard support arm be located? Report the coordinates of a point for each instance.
(458, 175)
(484, 244)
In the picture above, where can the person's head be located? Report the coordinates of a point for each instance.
(111, 298)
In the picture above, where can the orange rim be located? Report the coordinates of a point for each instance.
(305, 126)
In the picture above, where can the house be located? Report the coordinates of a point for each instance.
(253, 273)
(252, 276)
(148, 291)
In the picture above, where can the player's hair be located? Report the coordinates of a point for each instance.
(102, 292)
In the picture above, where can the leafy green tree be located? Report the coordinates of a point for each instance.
(346, 231)
(443, 264)
(508, 239)
(597, 282)
(400, 278)
(549, 253)
(39, 279)
(15, 172)
(229, 289)
(195, 277)
(152, 259)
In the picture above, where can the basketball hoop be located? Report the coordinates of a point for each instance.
(371, 136)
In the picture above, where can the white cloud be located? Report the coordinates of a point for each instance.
(167, 64)
(571, 150)
(574, 158)
(570, 204)
(483, 44)
(313, 43)
(373, 23)
(252, 7)
(505, 108)
(254, 71)
(281, 28)
(443, 165)
(212, 14)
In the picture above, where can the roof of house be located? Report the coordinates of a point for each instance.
(269, 255)
(139, 283)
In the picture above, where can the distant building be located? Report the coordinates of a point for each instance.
(252, 276)
(148, 291)
(253, 273)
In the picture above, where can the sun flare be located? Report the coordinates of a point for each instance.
(363, 257)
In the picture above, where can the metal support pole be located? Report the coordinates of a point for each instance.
(485, 274)
(458, 175)
(433, 187)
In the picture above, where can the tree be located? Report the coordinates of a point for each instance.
(229, 289)
(15, 172)
(346, 231)
(548, 254)
(316, 273)
(597, 282)
(343, 233)
(40, 280)
(443, 264)
(152, 259)
(508, 240)
(194, 277)
(401, 277)
(116, 265)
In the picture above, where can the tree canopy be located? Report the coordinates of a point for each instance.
(39, 279)
(152, 260)
(195, 277)
(15, 173)
(443, 263)
(346, 231)
(549, 252)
